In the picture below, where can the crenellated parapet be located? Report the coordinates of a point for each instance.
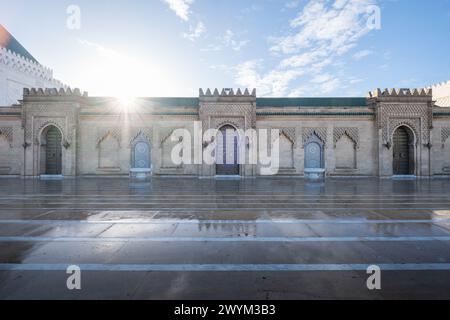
(441, 86)
(441, 94)
(21, 64)
(30, 92)
(397, 93)
(227, 92)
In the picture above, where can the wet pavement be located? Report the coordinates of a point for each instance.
(264, 238)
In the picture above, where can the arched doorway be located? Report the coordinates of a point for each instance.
(403, 162)
(51, 151)
(227, 151)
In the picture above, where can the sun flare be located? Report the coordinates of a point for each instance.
(126, 101)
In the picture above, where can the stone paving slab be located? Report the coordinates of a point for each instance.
(315, 238)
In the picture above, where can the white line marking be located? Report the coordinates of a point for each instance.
(176, 221)
(244, 202)
(225, 267)
(223, 239)
(185, 208)
(228, 194)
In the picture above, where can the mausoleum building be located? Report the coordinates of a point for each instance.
(47, 129)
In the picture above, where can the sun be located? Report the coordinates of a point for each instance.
(126, 102)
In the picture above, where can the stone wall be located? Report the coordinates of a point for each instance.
(11, 142)
(98, 136)
(360, 131)
(101, 136)
(441, 146)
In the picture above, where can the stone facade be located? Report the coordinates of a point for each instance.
(356, 136)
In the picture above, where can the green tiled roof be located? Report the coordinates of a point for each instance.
(172, 102)
(9, 42)
(310, 102)
(260, 102)
(150, 102)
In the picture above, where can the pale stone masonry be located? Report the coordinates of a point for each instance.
(19, 70)
(390, 132)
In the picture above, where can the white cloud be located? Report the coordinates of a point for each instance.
(180, 7)
(228, 40)
(330, 85)
(355, 80)
(318, 86)
(195, 33)
(321, 32)
(337, 27)
(362, 54)
(274, 83)
(321, 78)
(304, 59)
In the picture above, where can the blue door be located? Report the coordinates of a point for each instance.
(227, 152)
(313, 156)
(142, 156)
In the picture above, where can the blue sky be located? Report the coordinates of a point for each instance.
(283, 48)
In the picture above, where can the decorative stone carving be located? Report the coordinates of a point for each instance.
(8, 133)
(114, 132)
(41, 124)
(321, 133)
(166, 133)
(417, 116)
(228, 111)
(145, 132)
(445, 134)
(289, 133)
(36, 115)
(414, 124)
(238, 123)
(352, 133)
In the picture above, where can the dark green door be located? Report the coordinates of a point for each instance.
(53, 152)
(402, 163)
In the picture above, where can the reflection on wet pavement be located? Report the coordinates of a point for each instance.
(202, 226)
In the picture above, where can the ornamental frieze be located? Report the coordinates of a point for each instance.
(8, 133)
(321, 133)
(352, 133)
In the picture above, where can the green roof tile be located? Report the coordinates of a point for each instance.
(260, 102)
(172, 102)
(310, 102)
(149, 102)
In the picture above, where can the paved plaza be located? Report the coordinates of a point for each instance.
(189, 238)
